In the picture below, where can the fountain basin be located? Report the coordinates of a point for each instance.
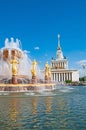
(27, 87)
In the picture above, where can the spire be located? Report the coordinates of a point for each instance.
(59, 53)
(59, 48)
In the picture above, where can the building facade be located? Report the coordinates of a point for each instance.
(59, 67)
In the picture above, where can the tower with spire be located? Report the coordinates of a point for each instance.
(60, 62)
(59, 67)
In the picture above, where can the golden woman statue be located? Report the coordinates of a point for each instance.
(47, 70)
(14, 67)
(33, 71)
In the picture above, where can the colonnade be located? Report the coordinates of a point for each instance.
(60, 77)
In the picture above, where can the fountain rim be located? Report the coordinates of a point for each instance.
(27, 85)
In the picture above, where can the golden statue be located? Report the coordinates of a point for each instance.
(47, 70)
(14, 67)
(33, 71)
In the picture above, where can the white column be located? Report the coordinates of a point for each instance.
(69, 76)
(57, 77)
(61, 76)
(64, 76)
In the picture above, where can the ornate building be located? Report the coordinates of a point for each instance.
(59, 67)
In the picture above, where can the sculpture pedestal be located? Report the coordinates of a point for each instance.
(34, 79)
(14, 80)
(47, 79)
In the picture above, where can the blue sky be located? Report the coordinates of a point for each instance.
(37, 22)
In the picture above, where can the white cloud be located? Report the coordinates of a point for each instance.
(25, 51)
(82, 67)
(82, 62)
(82, 72)
(36, 48)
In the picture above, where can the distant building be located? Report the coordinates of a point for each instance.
(59, 67)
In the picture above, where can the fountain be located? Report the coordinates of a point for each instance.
(18, 72)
